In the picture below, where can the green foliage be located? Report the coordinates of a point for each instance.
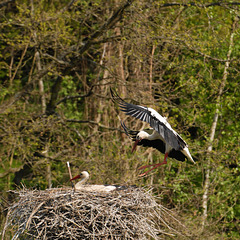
(170, 58)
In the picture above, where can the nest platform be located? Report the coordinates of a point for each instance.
(61, 213)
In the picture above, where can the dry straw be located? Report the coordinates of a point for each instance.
(61, 213)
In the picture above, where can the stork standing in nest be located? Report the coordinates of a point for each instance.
(163, 137)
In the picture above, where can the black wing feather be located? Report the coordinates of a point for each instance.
(157, 144)
(142, 113)
(130, 133)
(177, 155)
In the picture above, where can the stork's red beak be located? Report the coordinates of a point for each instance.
(135, 145)
(78, 176)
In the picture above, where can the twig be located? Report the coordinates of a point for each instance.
(76, 96)
(93, 122)
(70, 174)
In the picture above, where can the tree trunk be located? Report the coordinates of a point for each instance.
(150, 156)
(213, 128)
(51, 106)
(40, 83)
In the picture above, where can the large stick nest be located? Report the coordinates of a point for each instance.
(61, 213)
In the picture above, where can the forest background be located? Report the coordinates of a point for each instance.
(58, 60)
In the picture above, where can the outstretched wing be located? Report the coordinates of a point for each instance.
(157, 144)
(130, 133)
(156, 121)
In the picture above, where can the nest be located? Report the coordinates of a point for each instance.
(61, 213)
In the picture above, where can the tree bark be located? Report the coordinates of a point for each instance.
(214, 126)
(51, 106)
(150, 155)
(40, 83)
(100, 107)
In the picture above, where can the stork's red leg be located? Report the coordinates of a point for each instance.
(147, 166)
(153, 165)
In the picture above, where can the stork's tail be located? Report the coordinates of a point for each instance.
(186, 152)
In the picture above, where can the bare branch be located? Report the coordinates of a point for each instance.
(95, 123)
(6, 3)
(117, 16)
(10, 170)
(59, 61)
(68, 5)
(193, 4)
(76, 96)
(26, 89)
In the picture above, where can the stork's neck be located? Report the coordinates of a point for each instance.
(81, 182)
(155, 135)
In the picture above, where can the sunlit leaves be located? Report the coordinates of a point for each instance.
(170, 58)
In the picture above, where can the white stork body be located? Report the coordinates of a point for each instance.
(156, 136)
(163, 137)
(84, 176)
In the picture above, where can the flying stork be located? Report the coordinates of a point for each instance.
(163, 137)
(84, 176)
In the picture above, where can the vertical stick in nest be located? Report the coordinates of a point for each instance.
(70, 174)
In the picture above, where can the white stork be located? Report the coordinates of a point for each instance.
(163, 137)
(84, 176)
